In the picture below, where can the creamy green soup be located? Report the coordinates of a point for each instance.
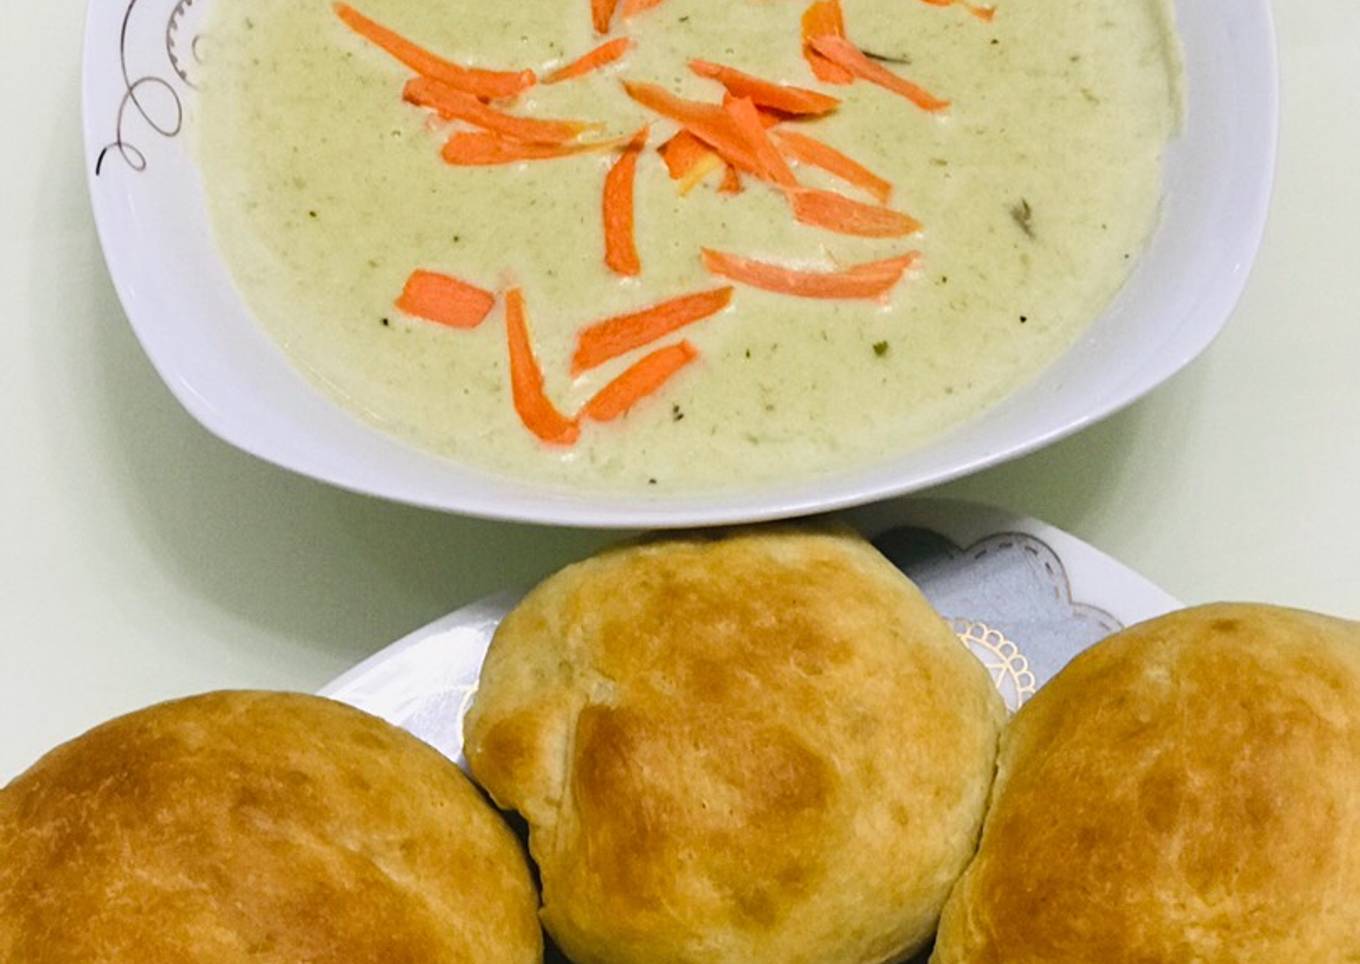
(1036, 190)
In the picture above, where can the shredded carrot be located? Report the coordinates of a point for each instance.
(535, 409)
(836, 212)
(453, 104)
(492, 84)
(708, 122)
(643, 378)
(601, 56)
(445, 300)
(984, 14)
(690, 160)
(773, 167)
(842, 52)
(768, 118)
(617, 336)
(787, 100)
(682, 152)
(479, 149)
(809, 150)
(824, 19)
(632, 8)
(601, 13)
(872, 280)
(620, 246)
(706, 165)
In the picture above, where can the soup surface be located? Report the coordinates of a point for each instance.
(1035, 189)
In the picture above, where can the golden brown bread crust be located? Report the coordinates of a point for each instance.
(760, 747)
(257, 827)
(1188, 790)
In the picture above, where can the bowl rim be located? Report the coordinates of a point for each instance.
(721, 507)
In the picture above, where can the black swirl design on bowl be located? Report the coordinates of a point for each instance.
(149, 96)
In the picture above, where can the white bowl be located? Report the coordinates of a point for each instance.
(138, 80)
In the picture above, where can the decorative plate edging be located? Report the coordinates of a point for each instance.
(1008, 597)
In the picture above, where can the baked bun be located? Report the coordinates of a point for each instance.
(758, 747)
(261, 827)
(1188, 790)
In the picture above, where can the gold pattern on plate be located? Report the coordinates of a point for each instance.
(1008, 666)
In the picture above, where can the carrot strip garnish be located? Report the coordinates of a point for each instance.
(764, 93)
(682, 152)
(836, 212)
(773, 167)
(478, 149)
(444, 300)
(842, 52)
(982, 13)
(768, 118)
(620, 247)
(643, 378)
(708, 122)
(872, 280)
(619, 335)
(601, 56)
(824, 19)
(690, 160)
(535, 409)
(601, 13)
(731, 183)
(492, 84)
(634, 7)
(452, 104)
(809, 150)
(706, 165)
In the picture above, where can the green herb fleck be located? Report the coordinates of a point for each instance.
(888, 58)
(880, 348)
(1023, 215)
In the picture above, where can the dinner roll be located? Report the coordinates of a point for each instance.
(257, 827)
(757, 747)
(1188, 790)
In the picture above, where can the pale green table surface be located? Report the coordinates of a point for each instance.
(143, 559)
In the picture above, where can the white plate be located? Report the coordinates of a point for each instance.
(1024, 596)
(139, 70)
